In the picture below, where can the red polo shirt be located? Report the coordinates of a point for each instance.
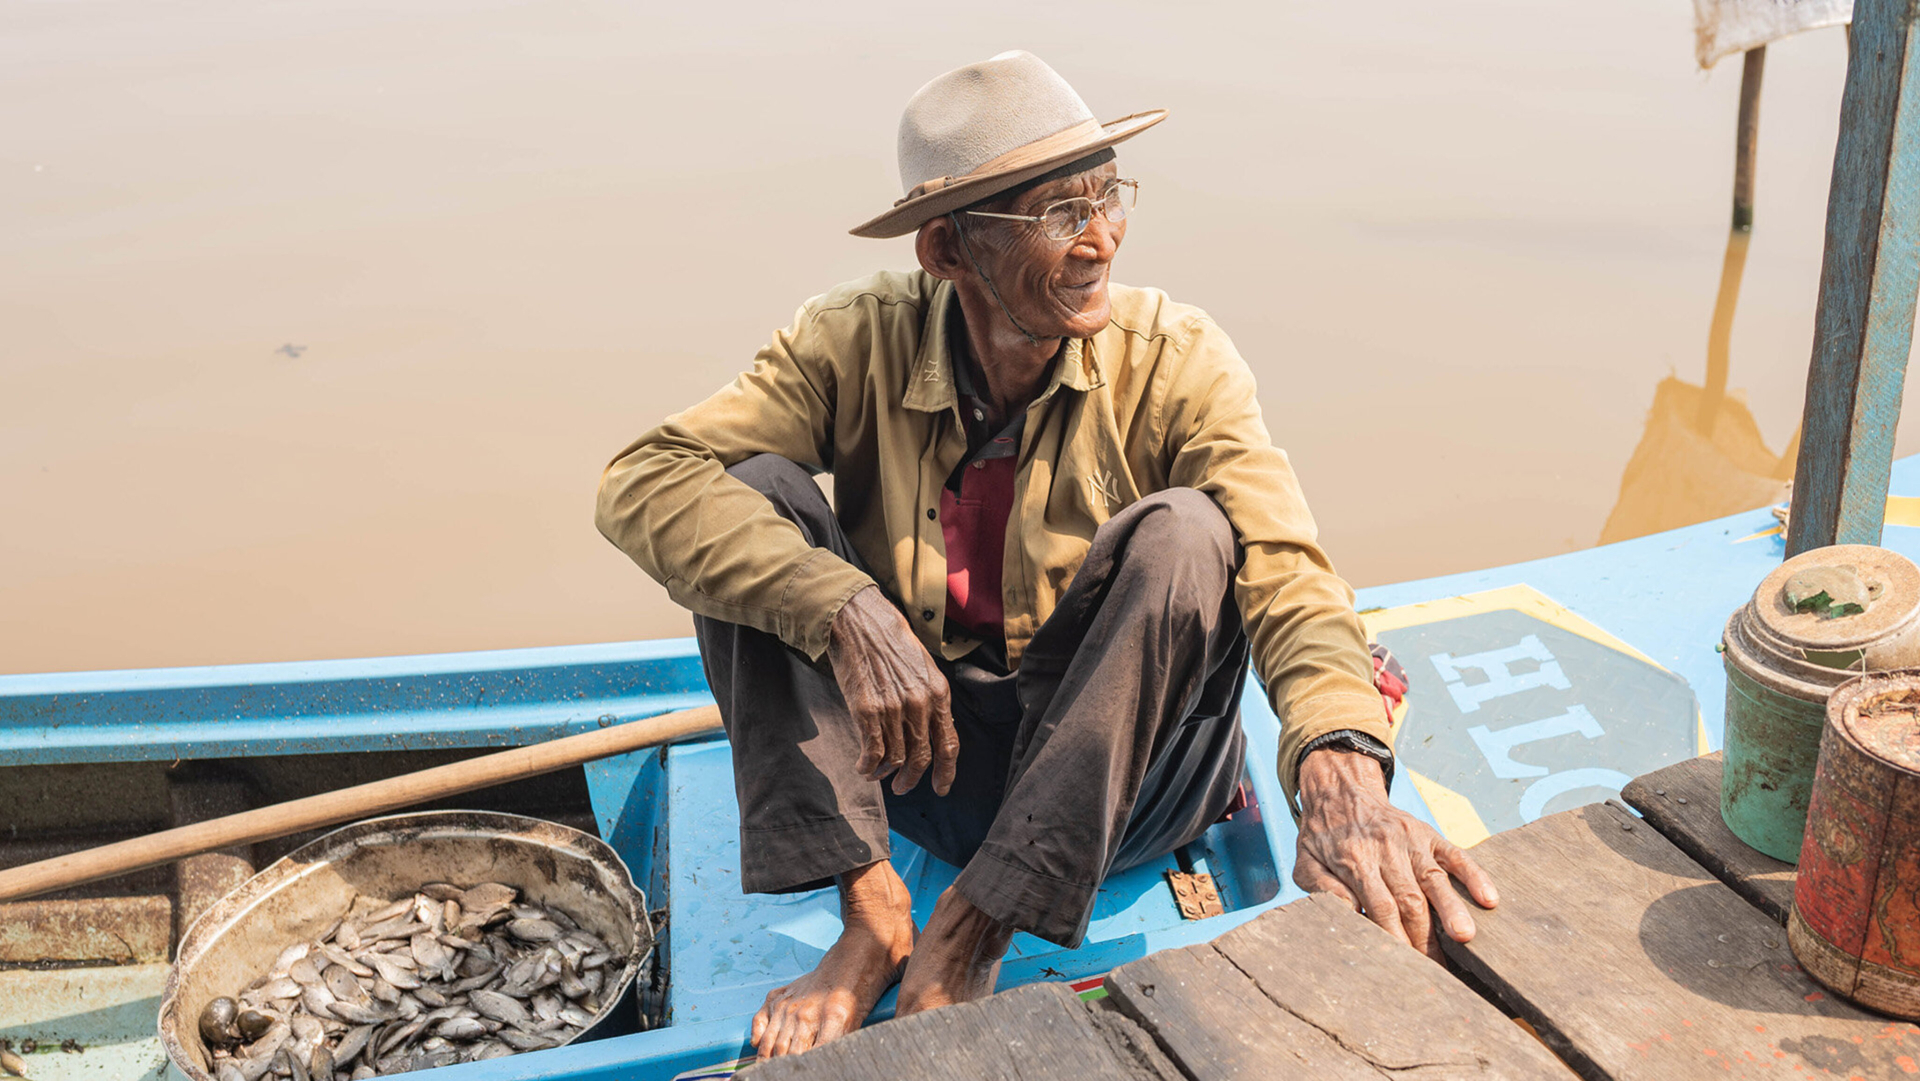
(974, 508)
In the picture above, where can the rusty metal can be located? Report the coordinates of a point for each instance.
(1818, 620)
(1855, 925)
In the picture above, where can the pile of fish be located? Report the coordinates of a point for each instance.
(447, 975)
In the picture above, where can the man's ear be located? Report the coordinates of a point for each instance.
(938, 247)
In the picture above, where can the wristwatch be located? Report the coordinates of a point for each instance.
(1356, 742)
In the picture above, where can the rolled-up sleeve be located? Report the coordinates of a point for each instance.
(717, 545)
(1309, 647)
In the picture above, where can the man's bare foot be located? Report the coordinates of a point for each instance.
(876, 937)
(957, 958)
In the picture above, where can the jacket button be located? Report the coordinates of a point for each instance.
(930, 514)
(926, 614)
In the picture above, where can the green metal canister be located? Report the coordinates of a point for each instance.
(1818, 620)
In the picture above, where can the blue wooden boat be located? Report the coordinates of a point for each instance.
(1608, 654)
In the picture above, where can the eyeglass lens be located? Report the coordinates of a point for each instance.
(1069, 218)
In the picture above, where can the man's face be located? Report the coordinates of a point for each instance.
(1054, 288)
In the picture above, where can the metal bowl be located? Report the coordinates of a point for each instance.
(368, 865)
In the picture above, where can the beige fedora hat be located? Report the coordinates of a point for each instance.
(981, 129)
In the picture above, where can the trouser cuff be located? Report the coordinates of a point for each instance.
(807, 856)
(1027, 900)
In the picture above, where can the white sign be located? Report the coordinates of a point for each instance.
(1734, 26)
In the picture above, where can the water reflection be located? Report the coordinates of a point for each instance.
(1684, 471)
(1701, 455)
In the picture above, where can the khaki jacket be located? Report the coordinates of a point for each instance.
(861, 385)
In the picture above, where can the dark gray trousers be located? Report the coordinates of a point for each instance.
(1117, 740)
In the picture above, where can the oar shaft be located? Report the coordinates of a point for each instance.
(348, 804)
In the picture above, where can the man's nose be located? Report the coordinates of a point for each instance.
(1100, 240)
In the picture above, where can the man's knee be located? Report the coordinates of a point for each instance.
(1185, 523)
(770, 474)
(1181, 537)
(788, 486)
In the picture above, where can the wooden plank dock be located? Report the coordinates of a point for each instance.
(1636, 948)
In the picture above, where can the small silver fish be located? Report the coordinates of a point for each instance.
(317, 999)
(500, 1007)
(488, 895)
(352, 1044)
(398, 1036)
(347, 936)
(278, 1033)
(281, 987)
(528, 929)
(429, 953)
(287, 957)
(477, 980)
(546, 1006)
(392, 972)
(398, 908)
(524, 1041)
(357, 1014)
(461, 1028)
(254, 1068)
(344, 987)
(337, 956)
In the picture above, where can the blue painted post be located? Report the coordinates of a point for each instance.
(1864, 325)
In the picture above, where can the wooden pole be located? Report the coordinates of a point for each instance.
(348, 804)
(1864, 325)
(1720, 337)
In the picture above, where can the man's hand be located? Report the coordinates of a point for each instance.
(1379, 859)
(897, 695)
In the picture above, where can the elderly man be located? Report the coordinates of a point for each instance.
(1020, 635)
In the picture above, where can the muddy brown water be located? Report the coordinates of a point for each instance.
(318, 323)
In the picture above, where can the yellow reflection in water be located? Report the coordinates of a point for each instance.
(1678, 475)
(1702, 455)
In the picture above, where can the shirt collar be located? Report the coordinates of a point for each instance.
(930, 387)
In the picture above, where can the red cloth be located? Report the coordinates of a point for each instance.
(1389, 679)
(974, 522)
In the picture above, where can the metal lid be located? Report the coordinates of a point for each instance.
(1838, 599)
(1881, 714)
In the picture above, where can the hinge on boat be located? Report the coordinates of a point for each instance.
(1196, 895)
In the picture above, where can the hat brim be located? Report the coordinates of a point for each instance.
(911, 214)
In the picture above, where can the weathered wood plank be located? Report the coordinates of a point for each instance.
(1041, 1032)
(1214, 1023)
(1634, 963)
(1322, 962)
(1682, 801)
(1313, 989)
(1863, 327)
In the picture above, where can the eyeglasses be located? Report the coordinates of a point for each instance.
(1068, 218)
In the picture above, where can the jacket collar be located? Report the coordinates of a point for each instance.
(930, 386)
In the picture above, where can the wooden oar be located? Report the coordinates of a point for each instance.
(348, 804)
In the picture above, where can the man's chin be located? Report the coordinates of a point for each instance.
(1091, 316)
